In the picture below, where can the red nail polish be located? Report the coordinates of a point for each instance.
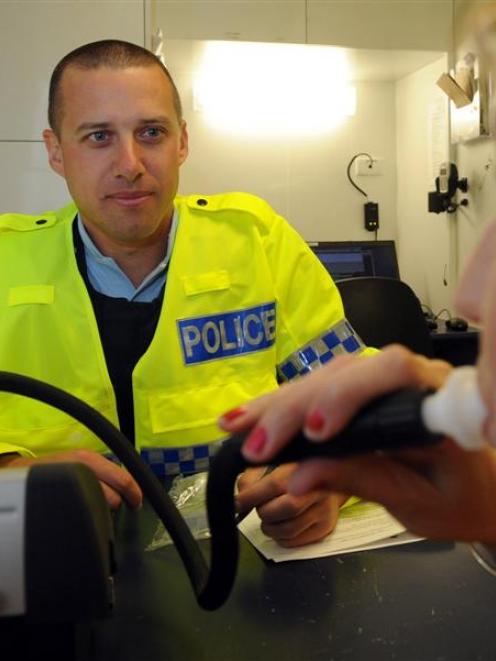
(233, 413)
(256, 441)
(315, 421)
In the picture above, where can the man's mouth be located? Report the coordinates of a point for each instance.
(130, 198)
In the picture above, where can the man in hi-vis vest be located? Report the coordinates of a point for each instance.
(160, 311)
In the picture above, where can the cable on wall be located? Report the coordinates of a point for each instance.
(348, 171)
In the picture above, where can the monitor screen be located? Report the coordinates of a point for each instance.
(355, 259)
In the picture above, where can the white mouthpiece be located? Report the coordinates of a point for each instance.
(457, 409)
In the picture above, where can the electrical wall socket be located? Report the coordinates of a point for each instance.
(365, 167)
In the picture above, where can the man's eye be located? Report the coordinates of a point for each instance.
(98, 136)
(152, 132)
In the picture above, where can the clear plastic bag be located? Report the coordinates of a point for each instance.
(189, 496)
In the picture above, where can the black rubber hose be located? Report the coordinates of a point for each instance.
(211, 588)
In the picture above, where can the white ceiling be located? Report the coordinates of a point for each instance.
(382, 65)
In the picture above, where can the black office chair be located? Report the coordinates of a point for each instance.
(385, 310)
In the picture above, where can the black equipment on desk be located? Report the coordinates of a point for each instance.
(390, 422)
(458, 347)
(56, 544)
(68, 537)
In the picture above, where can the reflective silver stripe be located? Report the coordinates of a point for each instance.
(12, 541)
(165, 462)
(340, 339)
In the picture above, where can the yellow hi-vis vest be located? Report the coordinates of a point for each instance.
(243, 294)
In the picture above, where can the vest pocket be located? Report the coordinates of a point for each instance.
(29, 294)
(206, 282)
(199, 407)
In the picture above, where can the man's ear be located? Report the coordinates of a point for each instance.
(54, 151)
(183, 143)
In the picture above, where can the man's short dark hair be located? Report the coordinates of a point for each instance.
(110, 53)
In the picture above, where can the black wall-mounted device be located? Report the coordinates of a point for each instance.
(447, 183)
(371, 216)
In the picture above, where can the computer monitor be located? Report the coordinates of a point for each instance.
(355, 259)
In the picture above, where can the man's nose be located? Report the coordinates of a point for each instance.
(128, 161)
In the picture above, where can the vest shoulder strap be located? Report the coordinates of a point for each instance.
(19, 222)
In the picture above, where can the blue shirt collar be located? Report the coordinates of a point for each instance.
(107, 277)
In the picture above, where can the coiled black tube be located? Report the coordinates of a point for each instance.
(211, 587)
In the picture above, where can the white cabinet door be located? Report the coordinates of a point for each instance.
(35, 35)
(381, 24)
(244, 20)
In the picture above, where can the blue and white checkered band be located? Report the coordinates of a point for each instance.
(166, 462)
(227, 334)
(340, 339)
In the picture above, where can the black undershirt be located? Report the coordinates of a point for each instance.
(126, 329)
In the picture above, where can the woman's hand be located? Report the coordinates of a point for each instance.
(442, 492)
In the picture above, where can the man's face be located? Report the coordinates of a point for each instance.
(476, 300)
(120, 146)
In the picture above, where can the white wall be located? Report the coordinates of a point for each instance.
(303, 178)
(33, 37)
(424, 240)
(475, 159)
